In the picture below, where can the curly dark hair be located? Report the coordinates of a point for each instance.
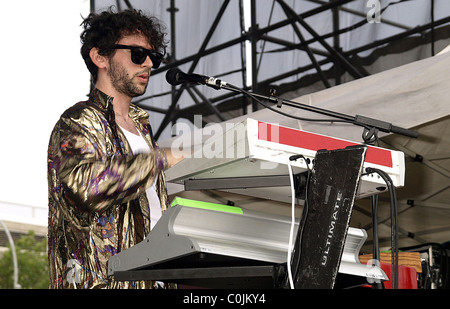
(105, 29)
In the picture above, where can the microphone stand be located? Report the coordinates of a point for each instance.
(370, 124)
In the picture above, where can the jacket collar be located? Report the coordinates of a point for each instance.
(104, 101)
(101, 99)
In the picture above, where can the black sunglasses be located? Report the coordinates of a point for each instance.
(139, 54)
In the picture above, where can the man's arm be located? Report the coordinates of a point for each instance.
(90, 178)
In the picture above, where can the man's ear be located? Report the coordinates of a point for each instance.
(100, 61)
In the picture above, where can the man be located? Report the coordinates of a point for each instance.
(103, 164)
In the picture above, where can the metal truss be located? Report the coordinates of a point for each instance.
(340, 60)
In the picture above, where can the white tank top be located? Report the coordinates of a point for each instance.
(139, 145)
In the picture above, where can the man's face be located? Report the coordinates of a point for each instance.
(127, 77)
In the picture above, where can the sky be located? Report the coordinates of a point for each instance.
(43, 74)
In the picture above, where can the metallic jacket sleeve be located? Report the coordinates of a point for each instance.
(89, 168)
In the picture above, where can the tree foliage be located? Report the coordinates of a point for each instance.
(32, 263)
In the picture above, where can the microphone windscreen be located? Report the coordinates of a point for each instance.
(172, 76)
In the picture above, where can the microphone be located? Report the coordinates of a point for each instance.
(176, 77)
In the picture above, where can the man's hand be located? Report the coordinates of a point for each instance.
(171, 158)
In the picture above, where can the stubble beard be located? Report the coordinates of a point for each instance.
(122, 82)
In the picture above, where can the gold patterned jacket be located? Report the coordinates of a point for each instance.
(97, 201)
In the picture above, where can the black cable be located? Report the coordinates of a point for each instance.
(444, 254)
(298, 241)
(376, 248)
(394, 222)
(374, 204)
